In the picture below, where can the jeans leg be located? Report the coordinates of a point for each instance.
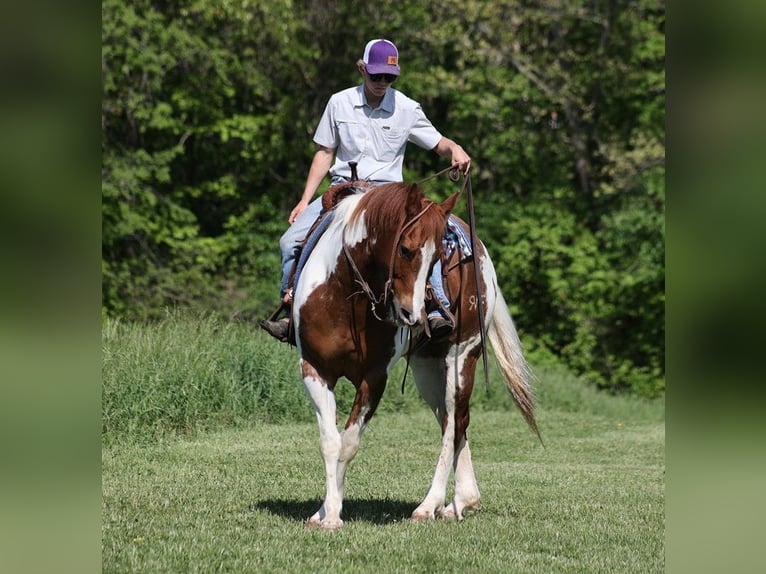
(436, 283)
(291, 239)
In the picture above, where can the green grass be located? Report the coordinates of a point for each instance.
(236, 500)
(223, 471)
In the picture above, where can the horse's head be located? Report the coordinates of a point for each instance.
(407, 250)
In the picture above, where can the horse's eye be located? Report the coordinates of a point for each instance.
(406, 253)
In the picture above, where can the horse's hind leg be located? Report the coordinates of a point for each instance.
(436, 379)
(323, 399)
(432, 382)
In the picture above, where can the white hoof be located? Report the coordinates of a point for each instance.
(448, 513)
(422, 515)
(326, 525)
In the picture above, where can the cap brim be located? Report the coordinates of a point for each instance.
(382, 69)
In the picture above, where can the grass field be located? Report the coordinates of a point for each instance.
(235, 497)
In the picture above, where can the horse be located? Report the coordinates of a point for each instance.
(359, 306)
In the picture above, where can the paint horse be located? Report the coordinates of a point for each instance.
(359, 306)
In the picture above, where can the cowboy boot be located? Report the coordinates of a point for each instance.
(440, 324)
(279, 329)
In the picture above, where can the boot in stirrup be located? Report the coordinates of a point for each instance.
(280, 328)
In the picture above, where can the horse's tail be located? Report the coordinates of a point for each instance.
(505, 342)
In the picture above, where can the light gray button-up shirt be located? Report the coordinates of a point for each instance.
(374, 138)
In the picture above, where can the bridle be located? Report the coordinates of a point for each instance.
(387, 287)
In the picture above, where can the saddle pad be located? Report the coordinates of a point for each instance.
(454, 237)
(311, 241)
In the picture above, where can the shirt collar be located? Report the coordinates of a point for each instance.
(386, 104)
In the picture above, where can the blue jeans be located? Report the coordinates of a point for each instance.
(291, 240)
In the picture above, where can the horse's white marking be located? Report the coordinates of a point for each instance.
(466, 488)
(356, 232)
(324, 258)
(330, 444)
(419, 294)
(351, 438)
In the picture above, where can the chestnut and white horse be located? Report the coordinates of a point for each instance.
(359, 306)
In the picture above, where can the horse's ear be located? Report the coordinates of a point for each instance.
(414, 200)
(449, 204)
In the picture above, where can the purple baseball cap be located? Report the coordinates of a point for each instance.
(381, 57)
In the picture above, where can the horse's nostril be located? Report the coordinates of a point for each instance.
(406, 314)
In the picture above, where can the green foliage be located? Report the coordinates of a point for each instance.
(208, 109)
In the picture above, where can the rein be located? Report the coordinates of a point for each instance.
(454, 175)
(480, 295)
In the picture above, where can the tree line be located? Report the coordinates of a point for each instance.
(208, 111)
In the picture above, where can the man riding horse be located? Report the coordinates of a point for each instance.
(368, 125)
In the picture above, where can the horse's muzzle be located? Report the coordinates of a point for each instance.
(403, 316)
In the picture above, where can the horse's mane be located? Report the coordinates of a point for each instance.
(386, 207)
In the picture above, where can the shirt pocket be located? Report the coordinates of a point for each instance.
(390, 142)
(352, 137)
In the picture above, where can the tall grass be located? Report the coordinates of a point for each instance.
(184, 374)
(187, 373)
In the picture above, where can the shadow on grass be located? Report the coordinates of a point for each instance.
(374, 511)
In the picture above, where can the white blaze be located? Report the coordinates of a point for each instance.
(419, 294)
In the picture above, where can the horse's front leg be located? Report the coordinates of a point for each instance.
(323, 399)
(368, 394)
